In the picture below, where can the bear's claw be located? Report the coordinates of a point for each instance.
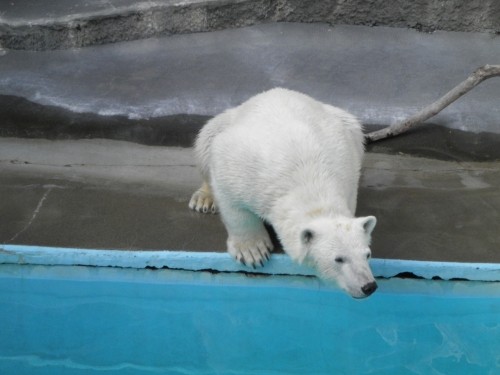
(251, 253)
(203, 202)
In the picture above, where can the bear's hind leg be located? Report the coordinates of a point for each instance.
(248, 241)
(202, 200)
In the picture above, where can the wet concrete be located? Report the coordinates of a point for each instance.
(24, 119)
(440, 143)
(120, 195)
(380, 74)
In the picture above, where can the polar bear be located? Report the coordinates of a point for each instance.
(291, 161)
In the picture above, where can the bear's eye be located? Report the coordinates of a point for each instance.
(339, 260)
(368, 256)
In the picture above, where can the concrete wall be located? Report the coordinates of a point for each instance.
(42, 24)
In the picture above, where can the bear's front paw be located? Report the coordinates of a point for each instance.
(203, 201)
(250, 252)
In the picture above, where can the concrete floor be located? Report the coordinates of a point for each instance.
(120, 195)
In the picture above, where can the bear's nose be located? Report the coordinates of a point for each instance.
(369, 288)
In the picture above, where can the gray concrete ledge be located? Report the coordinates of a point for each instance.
(41, 25)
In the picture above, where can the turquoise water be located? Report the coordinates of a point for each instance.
(95, 320)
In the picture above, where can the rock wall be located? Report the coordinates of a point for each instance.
(84, 23)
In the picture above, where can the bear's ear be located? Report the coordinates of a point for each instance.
(368, 223)
(307, 236)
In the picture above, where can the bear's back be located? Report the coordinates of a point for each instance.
(291, 114)
(281, 138)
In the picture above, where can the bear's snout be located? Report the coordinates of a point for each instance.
(369, 288)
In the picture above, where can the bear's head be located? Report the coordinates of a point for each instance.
(339, 249)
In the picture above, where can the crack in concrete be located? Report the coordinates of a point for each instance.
(34, 215)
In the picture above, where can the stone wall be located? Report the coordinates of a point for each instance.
(100, 22)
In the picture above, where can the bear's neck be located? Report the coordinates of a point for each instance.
(293, 211)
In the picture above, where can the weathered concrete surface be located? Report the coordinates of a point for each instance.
(100, 194)
(380, 74)
(432, 210)
(39, 25)
(120, 195)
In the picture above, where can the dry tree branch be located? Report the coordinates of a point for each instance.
(479, 75)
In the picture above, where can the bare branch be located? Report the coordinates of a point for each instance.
(479, 75)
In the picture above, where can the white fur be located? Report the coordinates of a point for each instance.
(294, 162)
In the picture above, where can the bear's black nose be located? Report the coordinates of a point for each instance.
(369, 288)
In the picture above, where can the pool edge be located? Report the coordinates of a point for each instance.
(279, 264)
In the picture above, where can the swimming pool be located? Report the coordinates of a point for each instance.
(70, 311)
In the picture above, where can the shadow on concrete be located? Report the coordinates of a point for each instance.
(22, 118)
